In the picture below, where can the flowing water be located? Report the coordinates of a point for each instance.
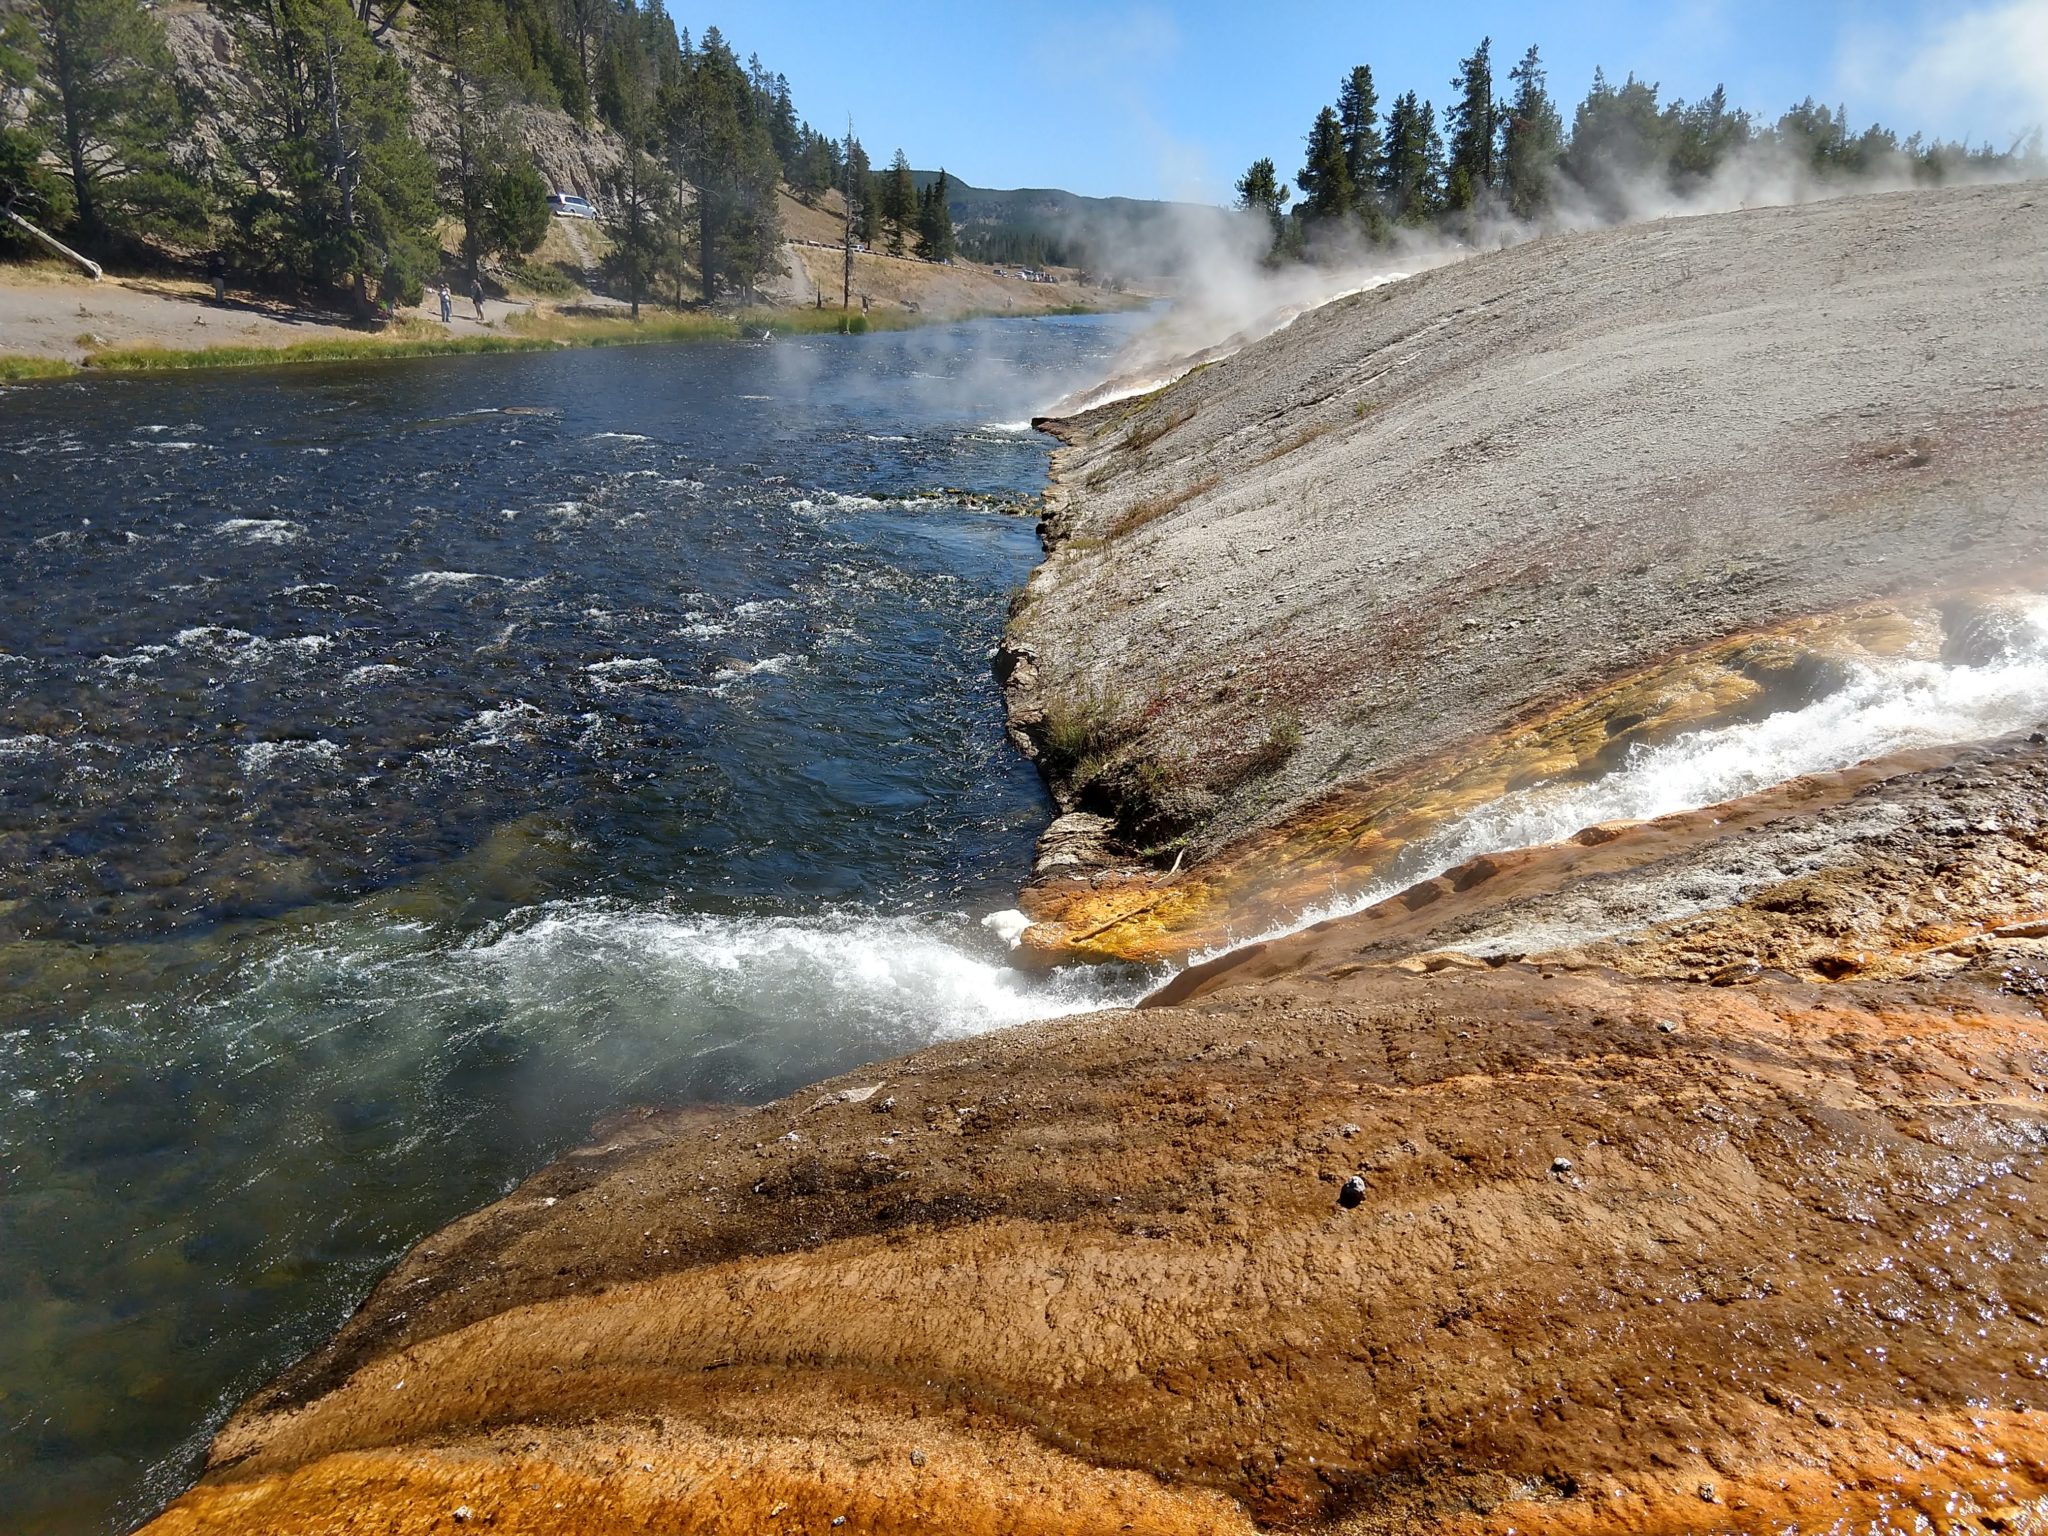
(403, 767)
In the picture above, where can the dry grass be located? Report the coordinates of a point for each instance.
(1146, 433)
(1300, 439)
(1143, 512)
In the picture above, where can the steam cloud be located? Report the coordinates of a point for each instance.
(1225, 297)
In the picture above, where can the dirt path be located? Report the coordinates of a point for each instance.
(46, 315)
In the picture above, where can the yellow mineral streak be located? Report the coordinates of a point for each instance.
(1351, 837)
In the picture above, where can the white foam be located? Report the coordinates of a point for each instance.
(492, 727)
(428, 580)
(618, 437)
(770, 666)
(1008, 925)
(242, 647)
(1013, 427)
(623, 664)
(261, 756)
(375, 671)
(140, 656)
(837, 501)
(863, 972)
(260, 530)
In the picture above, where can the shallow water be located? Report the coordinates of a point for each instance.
(402, 767)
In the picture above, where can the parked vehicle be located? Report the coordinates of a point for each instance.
(568, 205)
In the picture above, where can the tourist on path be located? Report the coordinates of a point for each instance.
(447, 304)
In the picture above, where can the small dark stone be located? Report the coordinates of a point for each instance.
(1352, 1193)
(1560, 1165)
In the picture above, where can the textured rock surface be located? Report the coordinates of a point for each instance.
(1624, 1234)
(1419, 515)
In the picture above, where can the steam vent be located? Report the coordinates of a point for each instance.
(1567, 731)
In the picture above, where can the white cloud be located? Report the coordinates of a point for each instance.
(1980, 71)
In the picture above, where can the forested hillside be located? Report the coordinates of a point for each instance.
(338, 144)
(1501, 150)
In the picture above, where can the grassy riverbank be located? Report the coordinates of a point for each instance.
(525, 333)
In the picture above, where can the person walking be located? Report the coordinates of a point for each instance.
(476, 297)
(217, 269)
(447, 304)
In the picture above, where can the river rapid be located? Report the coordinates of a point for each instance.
(404, 766)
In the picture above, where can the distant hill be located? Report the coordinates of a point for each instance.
(1120, 237)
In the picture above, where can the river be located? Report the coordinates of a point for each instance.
(404, 766)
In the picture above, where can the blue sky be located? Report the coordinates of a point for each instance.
(1175, 99)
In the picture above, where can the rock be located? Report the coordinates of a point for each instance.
(917, 1457)
(1074, 844)
(1707, 1495)
(1740, 974)
(1560, 1165)
(1352, 1193)
(1667, 1026)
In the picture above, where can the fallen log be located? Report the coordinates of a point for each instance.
(92, 268)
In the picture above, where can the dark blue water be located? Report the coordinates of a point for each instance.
(403, 766)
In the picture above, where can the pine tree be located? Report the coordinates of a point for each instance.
(1532, 139)
(1706, 133)
(106, 100)
(853, 186)
(1260, 191)
(935, 220)
(1358, 105)
(1325, 180)
(1411, 181)
(859, 186)
(1472, 123)
(490, 182)
(1620, 143)
(700, 131)
(333, 186)
(26, 183)
(899, 204)
(638, 197)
